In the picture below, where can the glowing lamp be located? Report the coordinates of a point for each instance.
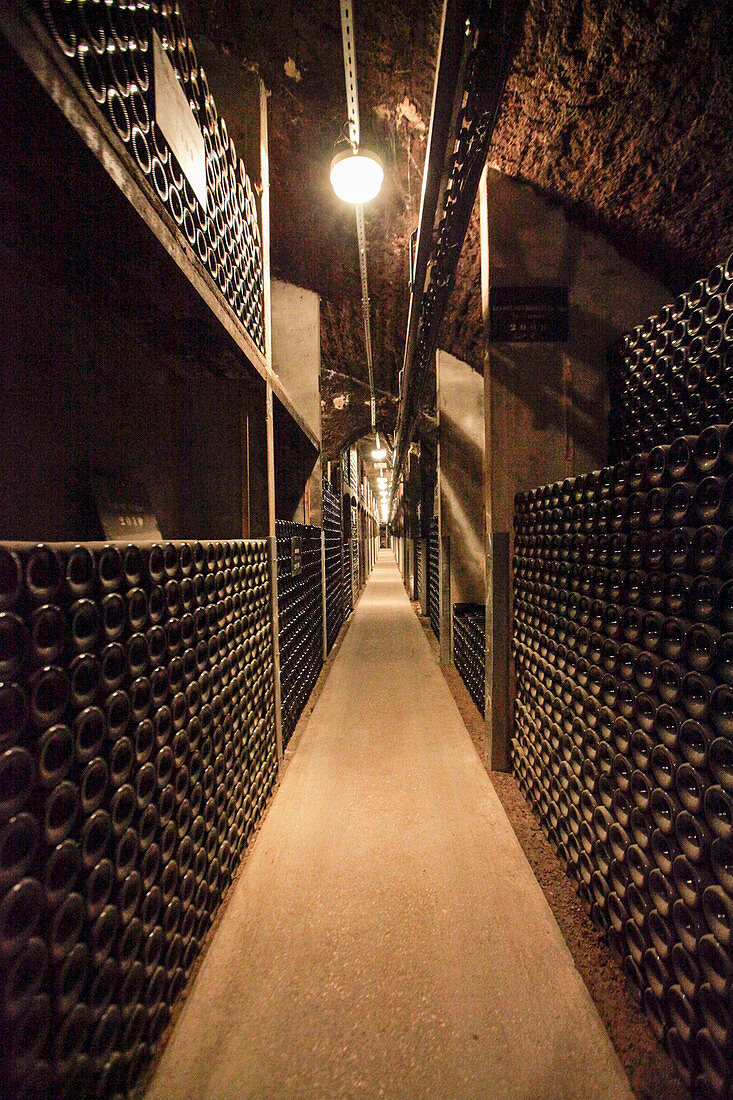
(379, 451)
(356, 176)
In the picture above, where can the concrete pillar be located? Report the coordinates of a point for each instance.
(460, 490)
(272, 542)
(545, 389)
(296, 359)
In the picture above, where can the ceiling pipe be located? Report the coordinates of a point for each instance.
(473, 60)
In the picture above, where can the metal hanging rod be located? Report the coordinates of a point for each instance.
(352, 106)
(473, 60)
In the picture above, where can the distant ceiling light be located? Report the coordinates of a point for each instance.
(356, 175)
(379, 451)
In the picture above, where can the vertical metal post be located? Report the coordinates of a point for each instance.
(265, 206)
(270, 432)
(323, 593)
(498, 705)
(444, 591)
(269, 420)
(272, 544)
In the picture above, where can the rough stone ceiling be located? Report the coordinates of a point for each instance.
(296, 44)
(622, 110)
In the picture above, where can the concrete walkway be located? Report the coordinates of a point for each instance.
(387, 937)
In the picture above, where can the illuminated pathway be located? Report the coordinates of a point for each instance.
(387, 937)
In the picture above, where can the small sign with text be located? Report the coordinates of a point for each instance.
(175, 118)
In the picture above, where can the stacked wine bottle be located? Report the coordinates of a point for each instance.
(137, 748)
(469, 649)
(300, 614)
(623, 645)
(110, 47)
(434, 577)
(674, 374)
(346, 572)
(334, 563)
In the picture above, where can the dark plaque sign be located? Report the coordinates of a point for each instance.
(296, 555)
(526, 314)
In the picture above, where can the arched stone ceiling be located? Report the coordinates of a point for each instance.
(621, 110)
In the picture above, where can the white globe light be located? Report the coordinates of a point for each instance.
(356, 177)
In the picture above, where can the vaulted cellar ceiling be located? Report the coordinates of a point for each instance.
(621, 110)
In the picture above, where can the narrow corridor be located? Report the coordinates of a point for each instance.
(386, 937)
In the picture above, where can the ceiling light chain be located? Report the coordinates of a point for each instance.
(352, 107)
(361, 236)
(352, 91)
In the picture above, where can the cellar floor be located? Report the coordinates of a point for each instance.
(386, 937)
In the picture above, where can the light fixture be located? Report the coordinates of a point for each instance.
(379, 451)
(356, 175)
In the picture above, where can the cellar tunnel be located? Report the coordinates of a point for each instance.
(366, 594)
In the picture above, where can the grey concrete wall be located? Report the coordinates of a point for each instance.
(546, 404)
(296, 359)
(550, 400)
(296, 348)
(460, 404)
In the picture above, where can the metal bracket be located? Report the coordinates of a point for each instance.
(352, 107)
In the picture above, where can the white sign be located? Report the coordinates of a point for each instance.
(176, 120)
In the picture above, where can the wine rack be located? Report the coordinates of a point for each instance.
(110, 48)
(434, 577)
(334, 563)
(300, 615)
(420, 579)
(469, 648)
(137, 749)
(673, 374)
(623, 646)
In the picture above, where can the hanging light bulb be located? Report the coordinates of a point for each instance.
(357, 175)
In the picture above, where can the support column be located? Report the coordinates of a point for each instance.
(273, 573)
(323, 593)
(460, 407)
(498, 716)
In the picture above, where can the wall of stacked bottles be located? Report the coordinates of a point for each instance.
(300, 614)
(354, 547)
(469, 648)
(110, 46)
(673, 375)
(434, 577)
(623, 642)
(137, 748)
(334, 563)
(346, 540)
